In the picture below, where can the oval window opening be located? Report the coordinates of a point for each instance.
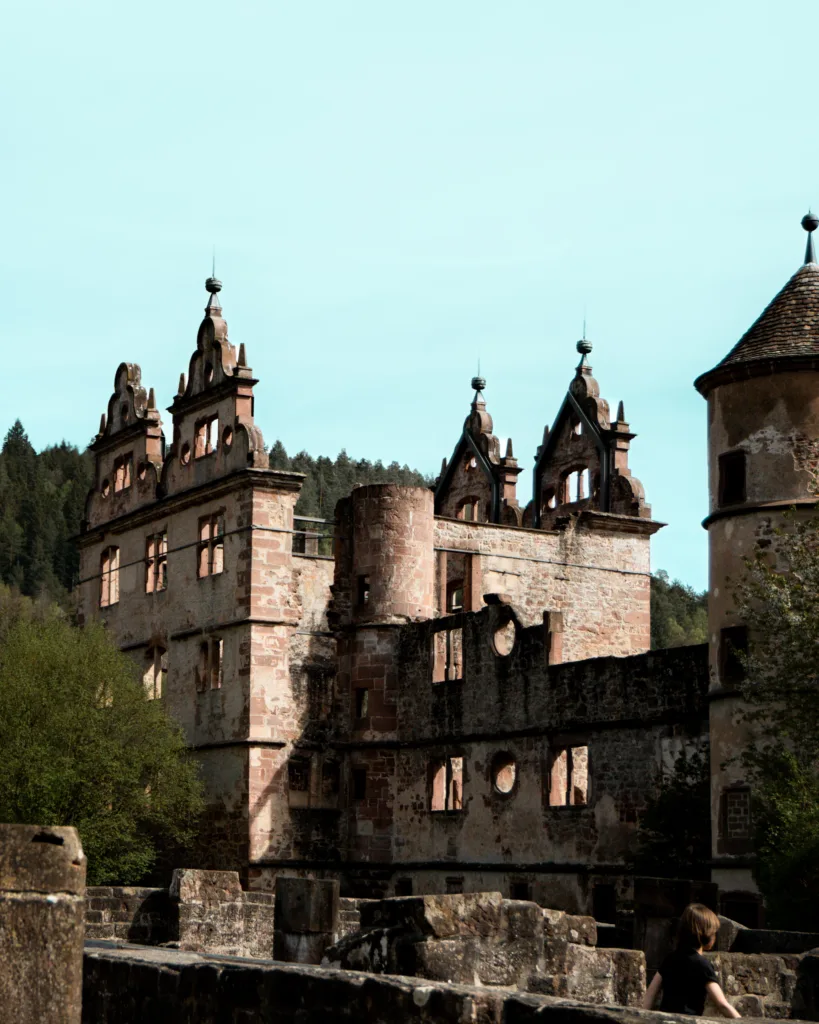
(504, 639)
(504, 773)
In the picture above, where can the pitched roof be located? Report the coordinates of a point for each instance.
(787, 328)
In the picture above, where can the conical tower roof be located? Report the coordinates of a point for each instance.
(785, 336)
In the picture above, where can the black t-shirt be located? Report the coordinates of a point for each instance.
(685, 974)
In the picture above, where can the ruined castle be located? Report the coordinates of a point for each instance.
(460, 697)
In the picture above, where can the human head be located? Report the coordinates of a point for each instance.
(698, 927)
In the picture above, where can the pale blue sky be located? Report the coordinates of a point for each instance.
(395, 189)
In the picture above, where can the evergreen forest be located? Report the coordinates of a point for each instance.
(42, 498)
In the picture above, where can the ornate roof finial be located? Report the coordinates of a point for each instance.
(509, 454)
(583, 347)
(102, 425)
(181, 389)
(810, 222)
(214, 286)
(479, 383)
(242, 355)
(151, 399)
(621, 412)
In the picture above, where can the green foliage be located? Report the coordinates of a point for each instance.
(679, 615)
(674, 833)
(42, 498)
(328, 480)
(777, 598)
(82, 744)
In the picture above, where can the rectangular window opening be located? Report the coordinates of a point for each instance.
(520, 891)
(454, 886)
(362, 702)
(448, 655)
(569, 777)
(363, 595)
(298, 781)
(156, 562)
(123, 471)
(403, 887)
(359, 784)
(733, 646)
(732, 478)
(109, 577)
(156, 673)
(211, 545)
(447, 785)
(207, 437)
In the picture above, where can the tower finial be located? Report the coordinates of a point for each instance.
(583, 347)
(810, 222)
(478, 383)
(214, 286)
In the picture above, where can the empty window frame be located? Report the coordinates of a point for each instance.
(156, 562)
(403, 887)
(454, 886)
(732, 474)
(577, 485)
(207, 437)
(123, 471)
(363, 591)
(211, 546)
(210, 668)
(448, 655)
(298, 781)
(520, 890)
(569, 777)
(156, 672)
(359, 784)
(362, 701)
(469, 510)
(109, 577)
(447, 785)
(733, 646)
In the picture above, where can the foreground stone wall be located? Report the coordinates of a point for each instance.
(131, 985)
(202, 911)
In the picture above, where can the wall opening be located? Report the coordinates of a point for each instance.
(454, 886)
(123, 469)
(504, 772)
(733, 646)
(503, 639)
(209, 668)
(362, 702)
(211, 547)
(109, 577)
(156, 562)
(359, 784)
(732, 478)
(520, 890)
(448, 655)
(604, 903)
(569, 777)
(207, 437)
(446, 789)
(403, 887)
(298, 781)
(363, 591)
(156, 672)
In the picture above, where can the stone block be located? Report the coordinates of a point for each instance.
(194, 886)
(305, 905)
(581, 929)
(42, 889)
(438, 916)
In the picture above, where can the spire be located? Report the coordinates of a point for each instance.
(621, 412)
(181, 389)
(509, 454)
(810, 222)
(102, 425)
(242, 355)
(478, 383)
(151, 399)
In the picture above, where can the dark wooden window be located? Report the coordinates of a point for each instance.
(732, 478)
(733, 643)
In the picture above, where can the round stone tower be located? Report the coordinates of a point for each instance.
(763, 447)
(392, 553)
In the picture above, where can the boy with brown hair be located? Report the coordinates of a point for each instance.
(686, 977)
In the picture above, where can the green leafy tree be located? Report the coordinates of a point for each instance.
(777, 598)
(83, 745)
(679, 614)
(674, 832)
